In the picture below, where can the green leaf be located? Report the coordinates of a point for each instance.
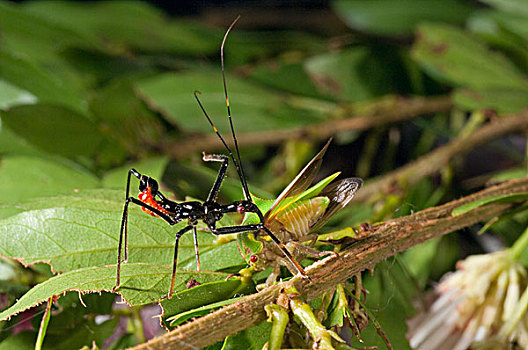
(509, 174)
(26, 33)
(341, 75)
(125, 117)
(452, 55)
(136, 25)
(336, 310)
(47, 88)
(280, 75)
(13, 144)
(54, 129)
(503, 198)
(486, 78)
(419, 260)
(172, 95)
(74, 231)
(252, 338)
(140, 284)
(204, 294)
(22, 340)
(11, 95)
(203, 310)
(248, 244)
(153, 167)
(70, 310)
(389, 288)
(27, 177)
(247, 47)
(505, 100)
(215, 257)
(85, 334)
(508, 31)
(389, 17)
(80, 230)
(513, 6)
(126, 341)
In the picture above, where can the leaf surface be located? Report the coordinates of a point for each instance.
(27, 177)
(389, 17)
(74, 231)
(140, 284)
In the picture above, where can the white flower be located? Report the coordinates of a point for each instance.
(479, 306)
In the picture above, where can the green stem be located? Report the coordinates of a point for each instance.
(44, 325)
(279, 318)
(520, 245)
(317, 331)
(475, 121)
(320, 335)
(137, 325)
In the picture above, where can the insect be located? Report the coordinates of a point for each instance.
(297, 213)
(155, 203)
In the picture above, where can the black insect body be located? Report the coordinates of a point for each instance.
(209, 212)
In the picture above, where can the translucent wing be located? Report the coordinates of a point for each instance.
(340, 193)
(301, 182)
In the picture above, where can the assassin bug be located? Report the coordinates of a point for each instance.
(155, 203)
(298, 212)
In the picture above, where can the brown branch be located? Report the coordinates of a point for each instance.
(257, 17)
(434, 161)
(382, 241)
(383, 113)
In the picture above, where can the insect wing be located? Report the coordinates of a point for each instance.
(340, 194)
(301, 182)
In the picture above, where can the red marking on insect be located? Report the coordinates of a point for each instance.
(192, 283)
(366, 226)
(241, 210)
(253, 258)
(147, 198)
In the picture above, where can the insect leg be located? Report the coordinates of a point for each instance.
(257, 227)
(175, 261)
(124, 222)
(286, 252)
(196, 252)
(221, 173)
(124, 226)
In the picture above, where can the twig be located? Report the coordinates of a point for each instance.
(383, 113)
(434, 161)
(382, 241)
(317, 20)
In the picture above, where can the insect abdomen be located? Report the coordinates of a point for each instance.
(300, 217)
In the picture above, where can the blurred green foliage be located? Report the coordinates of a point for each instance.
(89, 90)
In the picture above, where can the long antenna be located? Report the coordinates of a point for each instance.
(238, 165)
(196, 93)
(236, 161)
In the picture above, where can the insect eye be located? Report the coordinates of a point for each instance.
(143, 183)
(153, 185)
(147, 181)
(253, 258)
